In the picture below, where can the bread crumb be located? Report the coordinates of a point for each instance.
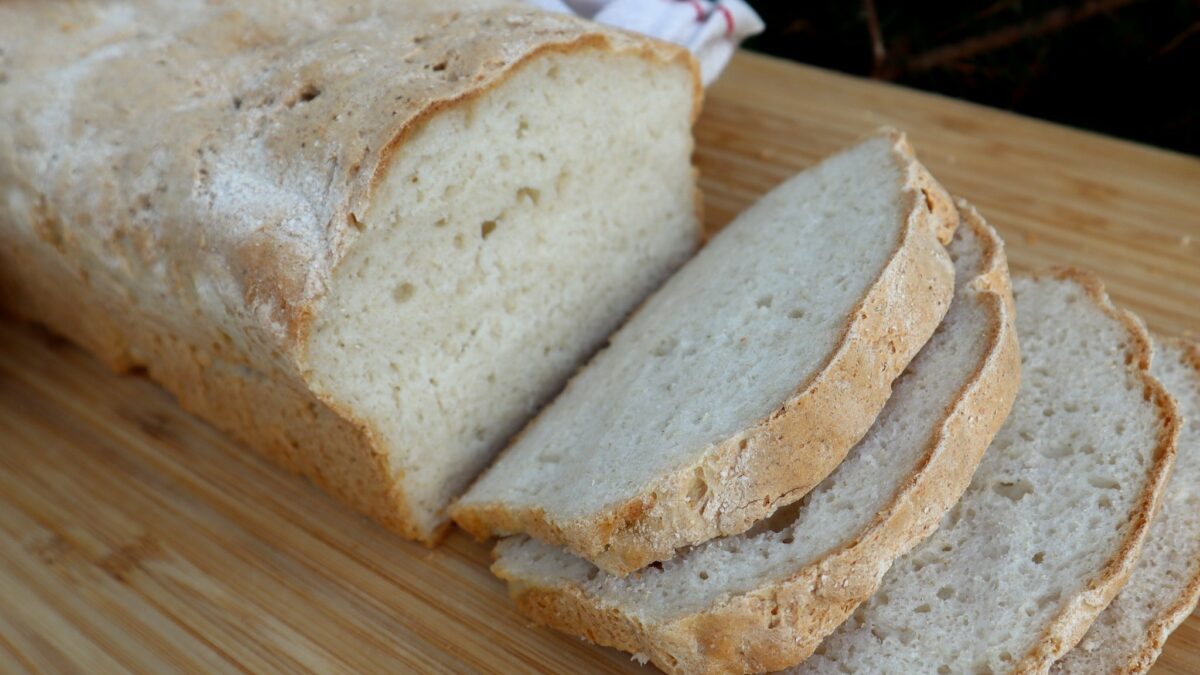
(1186, 240)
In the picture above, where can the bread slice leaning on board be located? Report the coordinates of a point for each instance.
(743, 381)
(763, 600)
(1055, 517)
(1164, 587)
(368, 239)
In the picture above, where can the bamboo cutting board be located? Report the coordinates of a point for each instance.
(133, 537)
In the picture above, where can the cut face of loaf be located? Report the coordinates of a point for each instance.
(505, 243)
(366, 238)
(1054, 519)
(744, 381)
(1164, 587)
(763, 600)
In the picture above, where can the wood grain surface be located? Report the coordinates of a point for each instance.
(134, 537)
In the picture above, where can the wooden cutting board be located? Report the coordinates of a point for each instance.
(134, 537)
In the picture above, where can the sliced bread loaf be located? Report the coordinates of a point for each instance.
(1164, 587)
(742, 382)
(1053, 522)
(763, 600)
(369, 238)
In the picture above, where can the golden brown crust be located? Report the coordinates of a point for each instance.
(1073, 621)
(211, 277)
(779, 459)
(781, 623)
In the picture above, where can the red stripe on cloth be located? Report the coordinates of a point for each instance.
(728, 19)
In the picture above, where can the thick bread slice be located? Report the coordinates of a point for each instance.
(763, 600)
(1164, 587)
(368, 238)
(743, 382)
(1053, 522)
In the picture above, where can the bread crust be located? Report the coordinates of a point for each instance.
(201, 285)
(1147, 652)
(781, 623)
(780, 458)
(1072, 622)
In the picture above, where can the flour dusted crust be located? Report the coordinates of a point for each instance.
(780, 623)
(205, 259)
(1073, 621)
(750, 475)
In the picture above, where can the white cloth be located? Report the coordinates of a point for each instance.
(710, 30)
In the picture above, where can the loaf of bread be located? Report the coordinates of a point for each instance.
(743, 381)
(762, 600)
(367, 238)
(1055, 517)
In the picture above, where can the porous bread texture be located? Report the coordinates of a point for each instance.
(763, 600)
(1054, 519)
(228, 201)
(743, 382)
(1129, 635)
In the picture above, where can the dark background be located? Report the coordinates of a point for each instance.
(1121, 67)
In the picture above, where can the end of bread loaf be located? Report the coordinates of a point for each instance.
(504, 242)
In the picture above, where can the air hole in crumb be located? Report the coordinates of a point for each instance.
(308, 93)
(1103, 483)
(532, 194)
(1014, 490)
(665, 347)
(945, 593)
(522, 128)
(765, 301)
(458, 241)
(439, 67)
(403, 292)
(943, 670)
(1039, 557)
(796, 314)
(593, 573)
(487, 228)
(928, 200)
(923, 609)
(440, 222)
(703, 576)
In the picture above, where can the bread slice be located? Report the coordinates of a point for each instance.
(1164, 587)
(369, 238)
(744, 381)
(763, 600)
(1054, 520)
